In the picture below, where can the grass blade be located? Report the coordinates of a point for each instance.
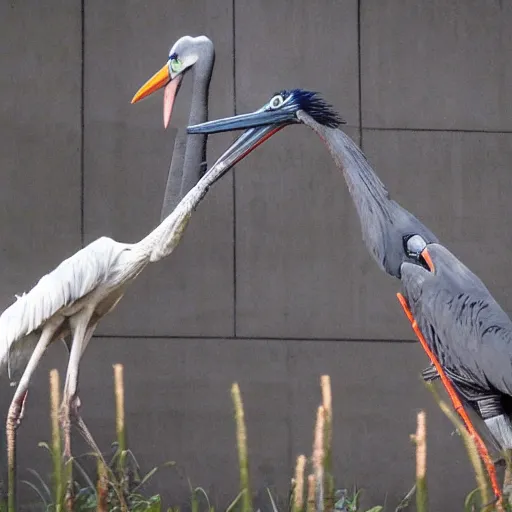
(469, 443)
(273, 503)
(235, 501)
(37, 491)
(41, 481)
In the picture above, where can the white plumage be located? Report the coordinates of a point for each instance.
(73, 279)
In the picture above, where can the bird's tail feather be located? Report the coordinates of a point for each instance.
(14, 357)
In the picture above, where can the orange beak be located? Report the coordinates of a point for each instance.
(426, 256)
(161, 79)
(157, 81)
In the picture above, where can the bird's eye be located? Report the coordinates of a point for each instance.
(276, 101)
(175, 64)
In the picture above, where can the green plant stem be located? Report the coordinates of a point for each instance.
(470, 445)
(241, 438)
(58, 492)
(325, 383)
(102, 487)
(120, 423)
(420, 439)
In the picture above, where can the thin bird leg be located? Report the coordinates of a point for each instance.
(17, 407)
(74, 411)
(457, 404)
(79, 326)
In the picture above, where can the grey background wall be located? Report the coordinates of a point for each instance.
(272, 286)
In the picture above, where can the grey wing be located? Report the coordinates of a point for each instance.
(74, 278)
(466, 328)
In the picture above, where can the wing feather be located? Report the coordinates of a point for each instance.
(73, 279)
(468, 330)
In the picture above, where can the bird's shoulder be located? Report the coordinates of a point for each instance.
(71, 280)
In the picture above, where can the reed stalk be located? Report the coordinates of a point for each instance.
(325, 383)
(56, 448)
(311, 504)
(420, 439)
(241, 441)
(102, 487)
(120, 420)
(318, 457)
(298, 491)
(470, 445)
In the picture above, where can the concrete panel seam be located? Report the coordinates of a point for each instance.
(359, 74)
(441, 130)
(82, 125)
(234, 174)
(253, 338)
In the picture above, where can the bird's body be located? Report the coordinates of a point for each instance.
(93, 278)
(88, 284)
(466, 331)
(68, 302)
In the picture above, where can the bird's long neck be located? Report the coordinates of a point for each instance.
(383, 221)
(166, 236)
(189, 157)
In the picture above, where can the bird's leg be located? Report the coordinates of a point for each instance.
(75, 407)
(76, 418)
(79, 325)
(457, 404)
(81, 336)
(17, 407)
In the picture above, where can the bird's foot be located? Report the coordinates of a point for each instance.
(82, 428)
(69, 498)
(16, 412)
(65, 424)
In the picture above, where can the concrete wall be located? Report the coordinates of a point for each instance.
(272, 286)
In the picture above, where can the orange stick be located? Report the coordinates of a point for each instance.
(457, 404)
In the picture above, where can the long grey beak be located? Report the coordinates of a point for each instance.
(246, 143)
(262, 117)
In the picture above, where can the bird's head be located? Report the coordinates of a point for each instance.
(280, 111)
(183, 55)
(283, 109)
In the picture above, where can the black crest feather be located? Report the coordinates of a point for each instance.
(312, 103)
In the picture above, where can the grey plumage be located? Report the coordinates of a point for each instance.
(384, 223)
(467, 329)
(188, 162)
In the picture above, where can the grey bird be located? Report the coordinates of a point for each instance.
(397, 241)
(189, 156)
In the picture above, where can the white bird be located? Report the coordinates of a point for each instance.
(68, 302)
